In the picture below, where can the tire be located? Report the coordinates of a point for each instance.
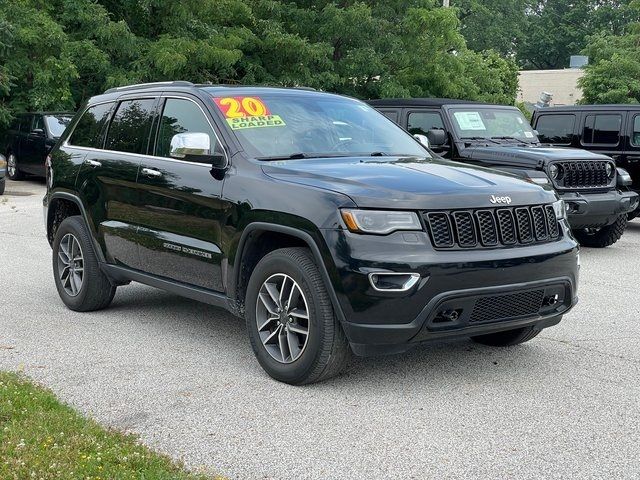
(603, 237)
(325, 351)
(3, 184)
(93, 291)
(507, 338)
(13, 172)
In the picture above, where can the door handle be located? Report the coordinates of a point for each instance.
(93, 163)
(150, 172)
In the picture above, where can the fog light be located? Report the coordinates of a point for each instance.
(393, 281)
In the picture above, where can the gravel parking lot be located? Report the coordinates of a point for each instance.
(183, 376)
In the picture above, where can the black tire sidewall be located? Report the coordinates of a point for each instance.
(75, 226)
(299, 370)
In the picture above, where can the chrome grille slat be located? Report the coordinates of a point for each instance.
(492, 228)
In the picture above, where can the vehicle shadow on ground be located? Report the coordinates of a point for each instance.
(216, 333)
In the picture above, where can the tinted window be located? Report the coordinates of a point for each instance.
(57, 124)
(556, 128)
(422, 122)
(391, 115)
(15, 125)
(181, 116)
(38, 123)
(89, 128)
(635, 139)
(25, 123)
(129, 129)
(602, 129)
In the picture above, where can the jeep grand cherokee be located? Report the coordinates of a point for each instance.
(325, 226)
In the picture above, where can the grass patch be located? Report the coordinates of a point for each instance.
(42, 438)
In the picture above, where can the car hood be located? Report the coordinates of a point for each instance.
(408, 182)
(532, 156)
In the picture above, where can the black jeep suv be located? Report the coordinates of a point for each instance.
(323, 224)
(597, 195)
(29, 139)
(612, 130)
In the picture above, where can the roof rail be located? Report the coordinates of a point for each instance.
(178, 83)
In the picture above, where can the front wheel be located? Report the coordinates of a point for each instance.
(81, 284)
(507, 338)
(603, 236)
(294, 332)
(13, 171)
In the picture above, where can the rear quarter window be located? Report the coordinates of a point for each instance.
(556, 129)
(602, 129)
(88, 130)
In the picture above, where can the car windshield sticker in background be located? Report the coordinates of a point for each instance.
(469, 121)
(247, 112)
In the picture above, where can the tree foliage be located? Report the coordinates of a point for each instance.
(613, 76)
(56, 53)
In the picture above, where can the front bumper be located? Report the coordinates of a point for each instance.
(466, 282)
(590, 210)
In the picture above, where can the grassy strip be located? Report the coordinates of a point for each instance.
(42, 438)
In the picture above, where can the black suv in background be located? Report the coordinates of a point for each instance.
(315, 218)
(597, 196)
(29, 139)
(612, 130)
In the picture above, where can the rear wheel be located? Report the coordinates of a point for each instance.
(3, 183)
(81, 284)
(507, 338)
(13, 171)
(294, 332)
(603, 236)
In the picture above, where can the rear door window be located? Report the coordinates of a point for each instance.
(556, 129)
(88, 130)
(38, 123)
(602, 129)
(130, 126)
(422, 122)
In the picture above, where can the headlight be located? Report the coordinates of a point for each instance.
(561, 209)
(609, 169)
(380, 222)
(554, 171)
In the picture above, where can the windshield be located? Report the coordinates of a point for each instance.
(56, 124)
(271, 126)
(492, 123)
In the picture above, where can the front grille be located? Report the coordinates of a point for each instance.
(582, 174)
(489, 228)
(503, 307)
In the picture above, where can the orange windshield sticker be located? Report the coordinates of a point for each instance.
(247, 112)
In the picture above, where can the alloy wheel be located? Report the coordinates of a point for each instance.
(282, 318)
(70, 265)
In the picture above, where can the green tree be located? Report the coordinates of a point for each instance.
(613, 75)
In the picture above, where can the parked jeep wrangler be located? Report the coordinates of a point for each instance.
(323, 224)
(612, 130)
(597, 195)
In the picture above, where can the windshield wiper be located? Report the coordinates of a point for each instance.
(302, 155)
(507, 137)
(483, 139)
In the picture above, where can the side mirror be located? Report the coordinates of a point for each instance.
(37, 131)
(437, 137)
(422, 139)
(196, 147)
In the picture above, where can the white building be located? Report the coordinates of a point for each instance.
(562, 84)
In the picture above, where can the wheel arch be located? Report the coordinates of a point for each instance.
(260, 238)
(62, 205)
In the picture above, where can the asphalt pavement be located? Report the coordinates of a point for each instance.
(182, 375)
